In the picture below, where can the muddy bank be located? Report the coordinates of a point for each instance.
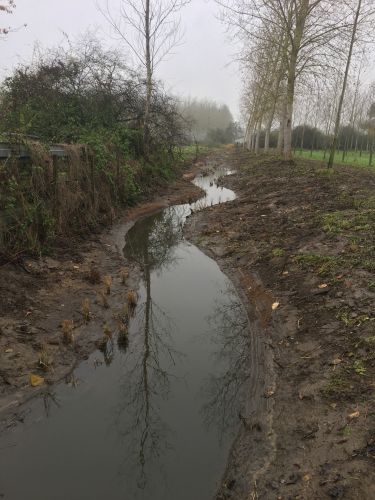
(299, 244)
(37, 296)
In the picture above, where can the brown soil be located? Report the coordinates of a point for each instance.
(299, 244)
(36, 296)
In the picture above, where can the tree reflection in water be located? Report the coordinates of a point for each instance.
(150, 244)
(225, 392)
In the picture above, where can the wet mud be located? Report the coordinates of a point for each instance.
(298, 243)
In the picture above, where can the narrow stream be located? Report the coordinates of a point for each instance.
(155, 422)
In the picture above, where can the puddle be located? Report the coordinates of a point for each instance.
(153, 418)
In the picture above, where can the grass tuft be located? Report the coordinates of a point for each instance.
(107, 280)
(86, 309)
(67, 328)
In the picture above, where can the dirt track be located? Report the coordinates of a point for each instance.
(300, 243)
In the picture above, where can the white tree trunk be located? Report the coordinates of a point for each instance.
(280, 139)
(146, 117)
(341, 100)
(257, 137)
(289, 102)
(267, 139)
(268, 131)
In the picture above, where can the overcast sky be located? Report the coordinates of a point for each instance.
(201, 67)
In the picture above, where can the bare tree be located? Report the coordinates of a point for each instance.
(306, 29)
(353, 39)
(262, 86)
(150, 29)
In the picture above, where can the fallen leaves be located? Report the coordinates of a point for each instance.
(353, 415)
(275, 305)
(269, 392)
(35, 380)
(336, 361)
(323, 285)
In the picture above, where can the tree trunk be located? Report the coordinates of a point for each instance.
(267, 139)
(371, 152)
(247, 137)
(268, 131)
(253, 138)
(269, 125)
(257, 137)
(292, 71)
(249, 131)
(341, 101)
(345, 149)
(146, 117)
(289, 112)
(280, 139)
(312, 142)
(302, 138)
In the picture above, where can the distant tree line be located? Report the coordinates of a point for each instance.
(312, 138)
(209, 122)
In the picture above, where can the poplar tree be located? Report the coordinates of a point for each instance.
(150, 29)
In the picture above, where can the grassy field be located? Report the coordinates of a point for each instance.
(189, 153)
(351, 158)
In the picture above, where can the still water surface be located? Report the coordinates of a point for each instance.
(156, 420)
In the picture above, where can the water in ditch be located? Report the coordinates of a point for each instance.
(156, 422)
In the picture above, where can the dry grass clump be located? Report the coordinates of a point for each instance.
(45, 359)
(125, 314)
(123, 329)
(67, 328)
(86, 309)
(101, 344)
(94, 275)
(123, 336)
(107, 332)
(132, 298)
(107, 280)
(124, 273)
